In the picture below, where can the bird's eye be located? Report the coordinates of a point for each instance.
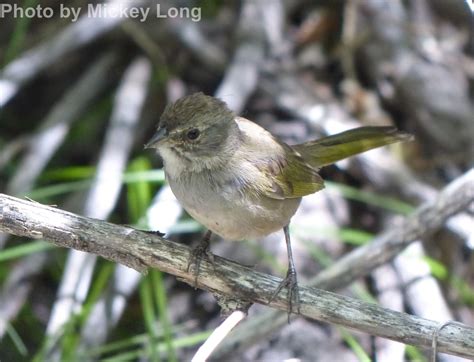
(192, 134)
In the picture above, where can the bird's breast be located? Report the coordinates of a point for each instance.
(228, 206)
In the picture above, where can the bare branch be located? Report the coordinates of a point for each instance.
(242, 74)
(221, 332)
(140, 250)
(457, 196)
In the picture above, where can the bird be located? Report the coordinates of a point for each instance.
(240, 181)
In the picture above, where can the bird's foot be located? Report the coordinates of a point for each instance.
(293, 297)
(201, 250)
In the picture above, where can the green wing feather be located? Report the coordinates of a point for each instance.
(290, 176)
(294, 173)
(328, 150)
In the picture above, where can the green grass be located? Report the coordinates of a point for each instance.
(414, 354)
(149, 317)
(349, 236)
(371, 198)
(20, 251)
(162, 307)
(441, 272)
(47, 192)
(354, 345)
(139, 192)
(16, 340)
(152, 289)
(70, 173)
(132, 348)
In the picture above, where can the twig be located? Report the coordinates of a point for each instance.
(190, 34)
(140, 251)
(424, 295)
(389, 296)
(455, 197)
(218, 336)
(241, 76)
(11, 149)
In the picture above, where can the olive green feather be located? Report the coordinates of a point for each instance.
(290, 176)
(296, 173)
(328, 150)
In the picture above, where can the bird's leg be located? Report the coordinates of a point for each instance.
(290, 281)
(203, 248)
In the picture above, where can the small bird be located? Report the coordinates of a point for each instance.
(239, 180)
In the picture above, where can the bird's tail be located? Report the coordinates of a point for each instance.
(327, 150)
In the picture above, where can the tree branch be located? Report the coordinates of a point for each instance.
(429, 217)
(140, 250)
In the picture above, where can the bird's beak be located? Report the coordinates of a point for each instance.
(160, 134)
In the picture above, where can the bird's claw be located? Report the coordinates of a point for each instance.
(291, 283)
(201, 250)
